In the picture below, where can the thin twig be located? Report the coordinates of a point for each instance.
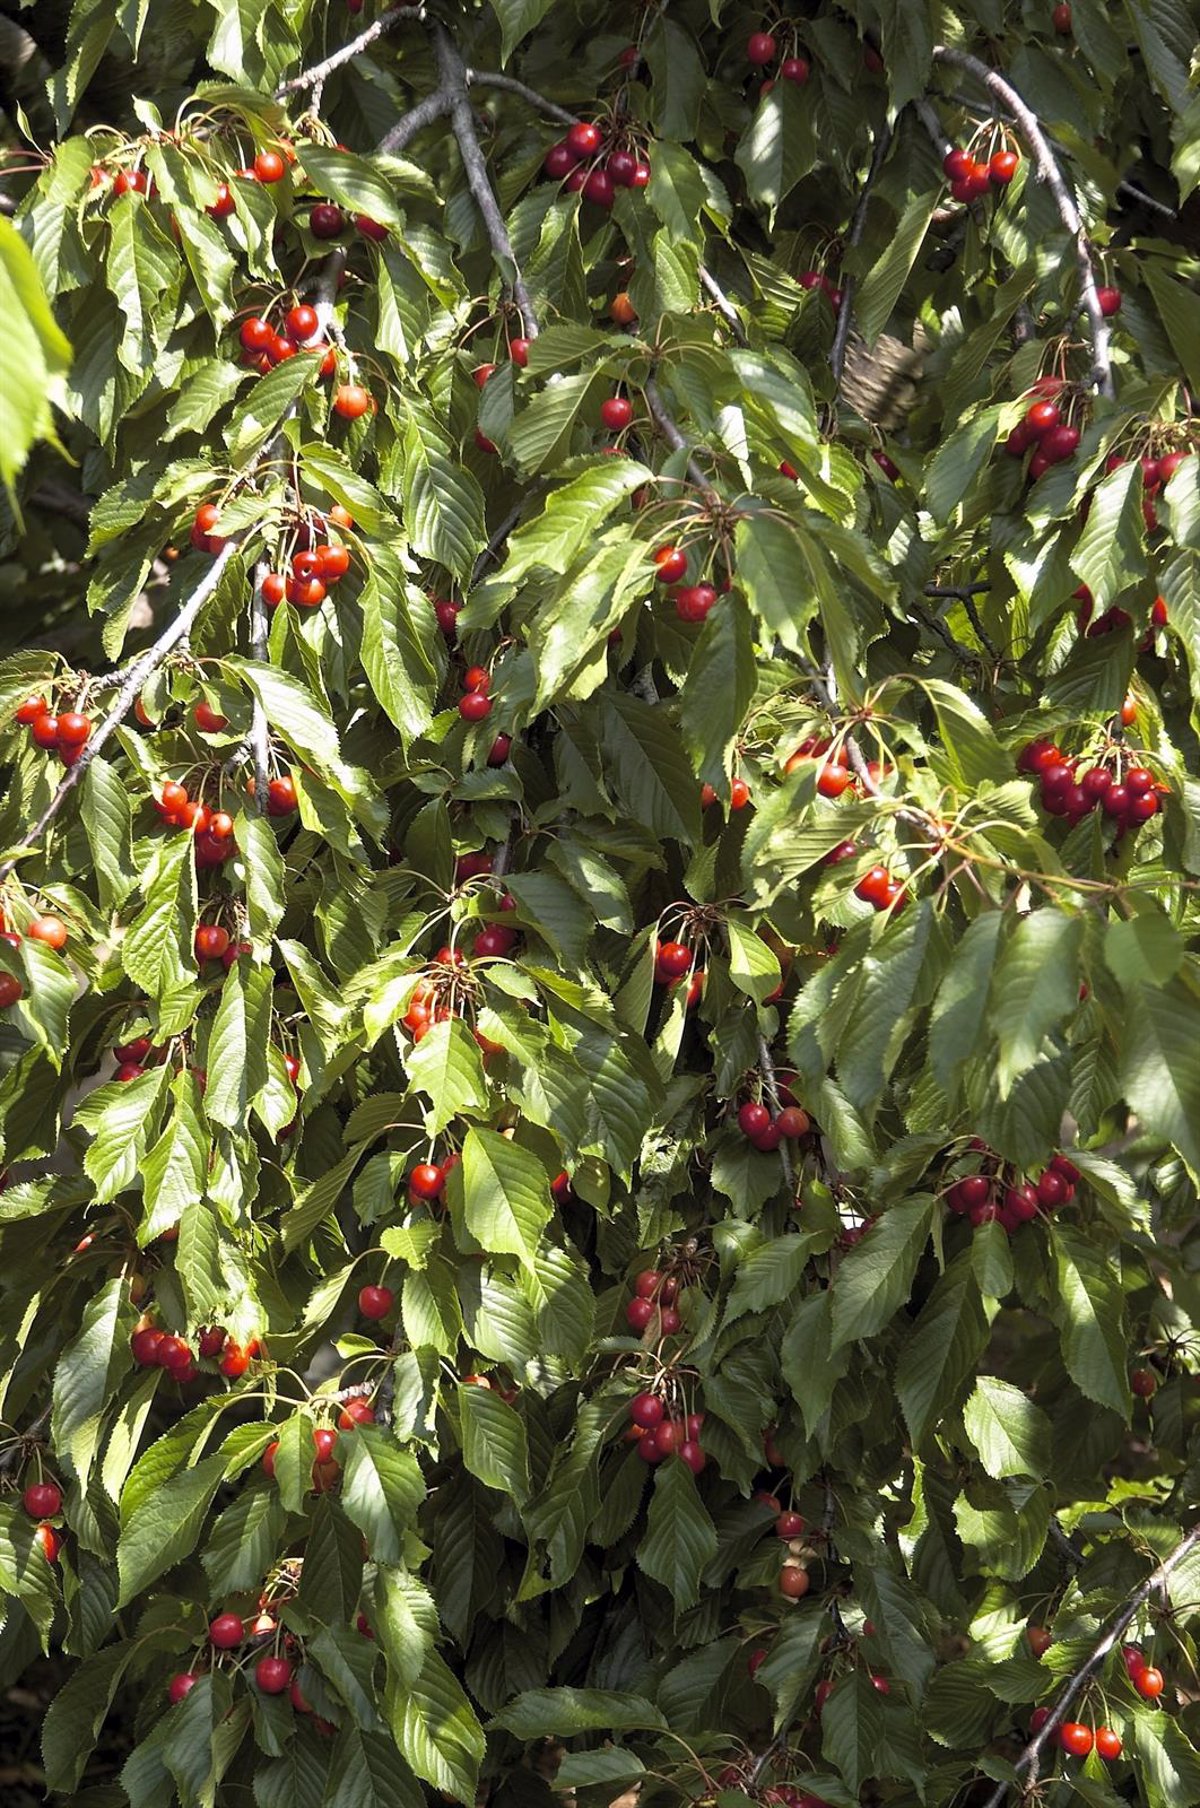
(722, 303)
(771, 1088)
(1145, 200)
(938, 627)
(841, 336)
(453, 73)
(1028, 1759)
(415, 120)
(260, 729)
(959, 590)
(671, 432)
(492, 78)
(1047, 168)
(16, 1453)
(984, 638)
(141, 669)
(495, 542)
(310, 78)
(933, 125)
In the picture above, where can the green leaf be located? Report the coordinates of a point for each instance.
(1035, 988)
(883, 283)
(718, 689)
(753, 966)
(1110, 557)
(352, 181)
(157, 949)
(394, 656)
(506, 1195)
(88, 1373)
(958, 461)
(875, 1276)
(75, 1716)
(381, 1490)
(812, 1366)
(1160, 1065)
(1179, 310)
(778, 146)
(1165, 1761)
(768, 1275)
(436, 1729)
(572, 518)
(165, 1529)
(650, 771)
(558, 1713)
(494, 1442)
(1089, 1310)
(517, 19)
(34, 359)
(175, 1170)
(367, 1773)
(680, 1540)
(447, 1066)
(852, 1727)
(104, 807)
(1011, 1434)
(941, 1350)
(443, 503)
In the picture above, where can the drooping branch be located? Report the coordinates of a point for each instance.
(1048, 170)
(492, 78)
(142, 668)
(1028, 1760)
(841, 336)
(314, 77)
(453, 83)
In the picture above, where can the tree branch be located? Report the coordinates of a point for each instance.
(722, 303)
(314, 77)
(1028, 1759)
(141, 669)
(453, 83)
(415, 120)
(670, 430)
(492, 78)
(771, 1088)
(1049, 172)
(841, 336)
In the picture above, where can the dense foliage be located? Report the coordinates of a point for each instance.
(601, 1042)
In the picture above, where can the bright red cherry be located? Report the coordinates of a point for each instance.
(272, 1675)
(1075, 1738)
(794, 1582)
(761, 49)
(616, 412)
(73, 729)
(326, 220)
(375, 1302)
(426, 1180)
(1002, 167)
(795, 69)
(638, 1313)
(1108, 1744)
(673, 959)
(646, 1410)
(789, 1525)
(356, 1412)
(351, 401)
(583, 139)
(753, 1118)
(226, 1631)
(671, 562)
(42, 1500)
(599, 189)
(1110, 301)
(1148, 1682)
(475, 706)
(281, 795)
(181, 1685)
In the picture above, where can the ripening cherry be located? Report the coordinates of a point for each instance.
(475, 706)
(1110, 301)
(1148, 1682)
(690, 1452)
(49, 1542)
(281, 795)
(599, 189)
(326, 220)
(1040, 1639)
(1144, 1383)
(1075, 1738)
(671, 562)
(50, 931)
(272, 1675)
(356, 1412)
(269, 166)
(426, 1180)
(130, 182)
(753, 1119)
(29, 711)
(73, 729)
(226, 1632)
(518, 351)
(639, 1312)
(583, 139)
(42, 1500)
(351, 401)
(235, 1360)
(208, 720)
(789, 1525)
(761, 49)
(44, 731)
(616, 412)
(673, 959)
(211, 1341)
(739, 794)
(375, 1302)
(1060, 18)
(559, 161)
(794, 1581)
(180, 1685)
(1002, 167)
(646, 1410)
(795, 69)
(211, 941)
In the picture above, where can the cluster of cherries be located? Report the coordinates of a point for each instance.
(877, 887)
(762, 50)
(1127, 794)
(437, 996)
(999, 1195)
(42, 1500)
(692, 601)
(596, 160)
(326, 1466)
(654, 1296)
(675, 961)
(1043, 427)
(658, 1435)
(213, 829)
(152, 1347)
(476, 701)
(66, 734)
(264, 346)
(51, 932)
(766, 1132)
(834, 774)
(970, 179)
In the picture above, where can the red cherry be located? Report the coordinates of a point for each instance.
(789, 1525)
(305, 593)
(616, 412)
(281, 795)
(211, 941)
(1041, 417)
(673, 959)
(269, 166)
(1039, 1638)
(1060, 18)
(42, 1500)
(691, 1454)
(268, 1458)
(324, 1442)
(477, 678)
(50, 1542)
(426, 1180)
(646, 1410)
(234, 1361)
(326, 220)
(1002, 167)
(638, 1313)
(207, 719)
(447, 615)
(272, 1675)
(1143, 1382)
(50, 931)
(356, 1412)
(598, 188)
(622, 166)
(127, 182)
(671, 562)
(794, 1582)
(1108, 1744)
(872, 888)
(181, 1685)
(1059, 444)
(583, 139)
(144, 1346)
(957, 162)
(649, 1450)
(351, 400)
(693, 602)
(302, 322)
(173, 1353)
(274, 589)
(28, 712)
(1148, 1682)
(44, 731)
(1110, 301)
(375, 1302)
(647, 1284)
(518, 351)
(1075, 1738)
(559, 161)
(73, 729)
(475, 706)
(761, 49)
(753, 1119)
(795, 69)
(226, 1631)
(669, 1321)
(223, 204)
